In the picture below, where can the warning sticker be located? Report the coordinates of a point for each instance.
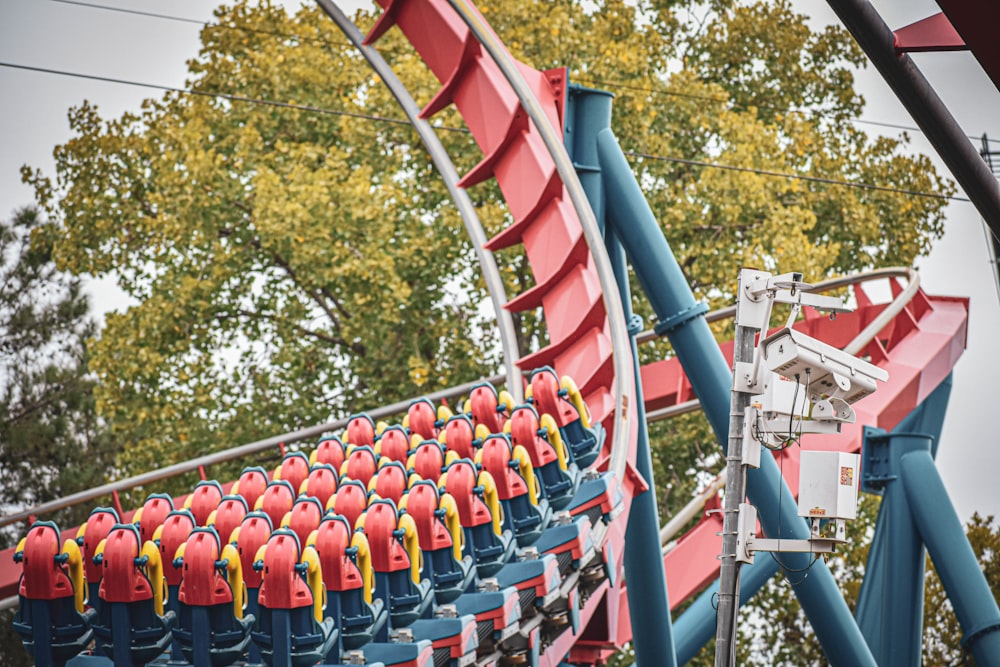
(817, 511)
(846, 476)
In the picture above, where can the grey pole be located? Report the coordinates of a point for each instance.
(736, 484)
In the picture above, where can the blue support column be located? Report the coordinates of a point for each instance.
(891, 603)
(681, 320)
(953, 557)
(652, 636)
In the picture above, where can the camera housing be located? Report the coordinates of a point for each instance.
(825, 371)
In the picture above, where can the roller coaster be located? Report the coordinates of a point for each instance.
(496, 534)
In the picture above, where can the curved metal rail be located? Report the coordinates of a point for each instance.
(446, 168)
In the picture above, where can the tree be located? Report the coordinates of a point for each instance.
(51, 441)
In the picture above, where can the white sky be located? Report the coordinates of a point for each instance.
(50, 34)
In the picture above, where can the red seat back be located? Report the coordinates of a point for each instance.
(154, 513)
(460, 436)
(277, 501)
(176, 529)
(330, 450)
(294, 469)
(202, 584)
(422, 419)
(254, 533)
(232, 510)
(394, 444)
(99, 524)
(361, 465)
(251, 484)
(322, 482)
(351, 500)
(204, 500)
(361, 430)
(43, 578)
(305, 517)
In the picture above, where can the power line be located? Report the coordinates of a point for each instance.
(595, 81)
(714, 98)
(797, 177)
(225, 96)
(401, 121)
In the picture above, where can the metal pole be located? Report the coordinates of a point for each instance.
(729, 571)
(924, 105)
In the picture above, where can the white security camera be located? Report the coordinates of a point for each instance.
(827, 372)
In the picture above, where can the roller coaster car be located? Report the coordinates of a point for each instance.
(328, 450)
(479, 511)
(91, 534)
(294, 469)
(459, 436)
(562, 400)
(212, 629)
(51, 619)
(291, 630)
(251, 485)
(131, 622)
(321, 483)
(360, 430)
(394, 444)
(204, 500)
(348, 576)
(558, 475)
(490, 408)
(304, 517)
(350, 501)
(441, 540)
(276, 501)
(396, 559)
(524, 512)
(228, 517)
(391, 481)
(361, 464)
(428, 460)
(152, 514)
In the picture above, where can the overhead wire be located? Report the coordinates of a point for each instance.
(584, 79)
(401, 121)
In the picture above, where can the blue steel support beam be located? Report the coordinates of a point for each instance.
(711, 378)
(587, 112)
(891, 602)
(953, 557)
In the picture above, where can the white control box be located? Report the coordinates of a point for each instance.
(828, 485)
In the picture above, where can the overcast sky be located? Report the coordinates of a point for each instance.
(65, 36)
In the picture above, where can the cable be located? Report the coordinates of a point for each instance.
(800, 177)
(714, 98)
(585, 79)
(400, 121)
(226, 96)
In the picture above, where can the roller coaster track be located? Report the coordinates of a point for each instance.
(919, 343)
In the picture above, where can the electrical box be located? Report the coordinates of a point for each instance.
(782, 397)
(828, 485)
